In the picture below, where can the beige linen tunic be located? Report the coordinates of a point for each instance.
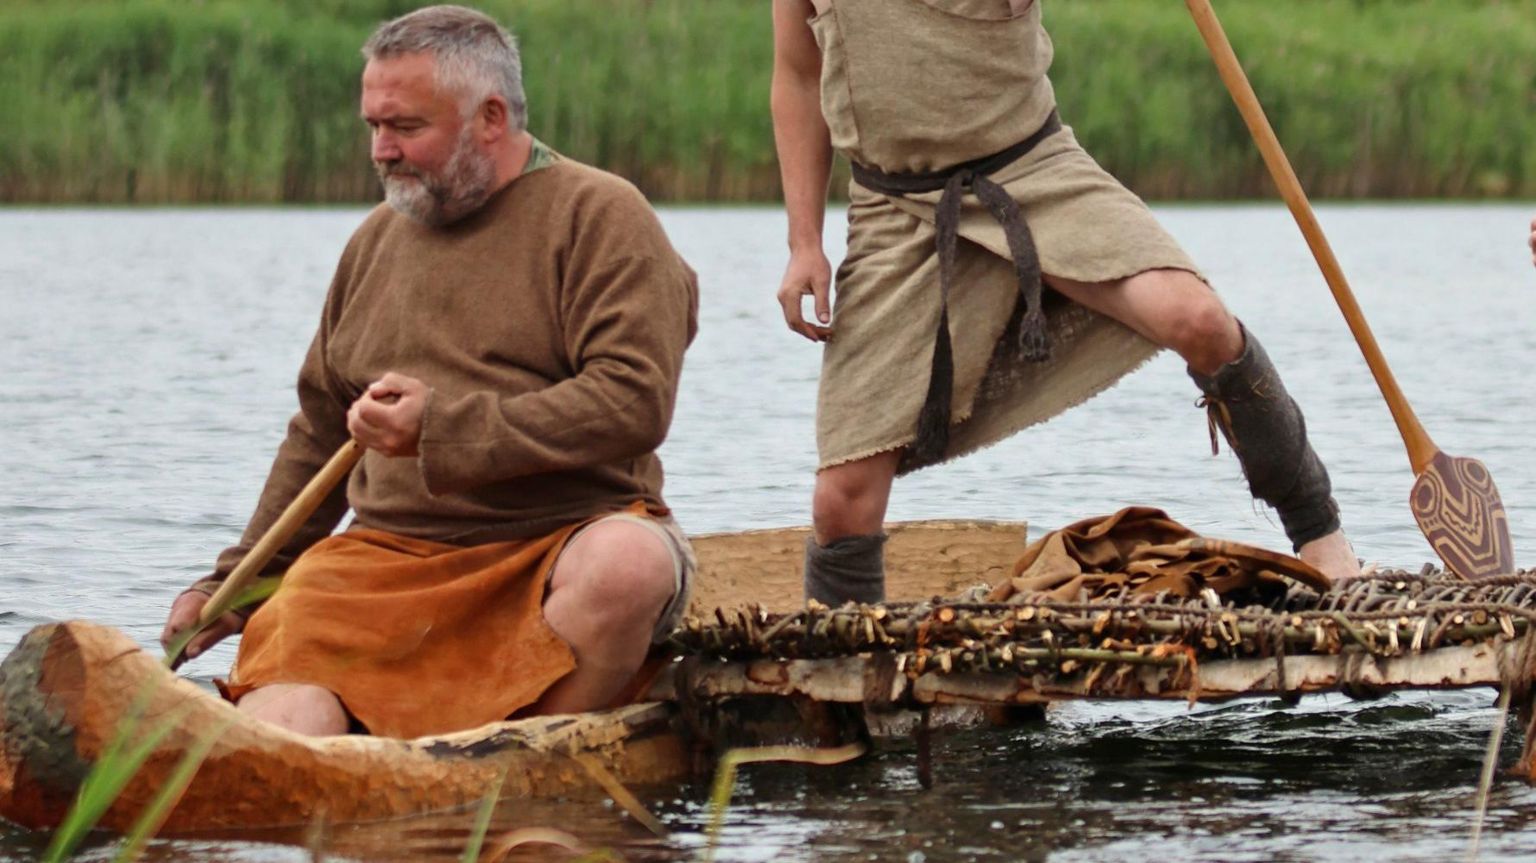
(924, 85)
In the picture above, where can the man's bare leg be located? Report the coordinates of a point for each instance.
(1175, 309)
(851, 498)
(298, 707)
(605, 595)
(1332, 555)
(845, 555)
(1171, 308)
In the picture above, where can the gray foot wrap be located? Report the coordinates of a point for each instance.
(1261, 422)
(851, 568)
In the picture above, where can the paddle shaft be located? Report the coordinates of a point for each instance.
(1421, 450)
(303, 506)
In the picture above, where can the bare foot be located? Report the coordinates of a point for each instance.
(1333, 555)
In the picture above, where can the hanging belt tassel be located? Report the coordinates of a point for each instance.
(933, 422)
(1034, 343)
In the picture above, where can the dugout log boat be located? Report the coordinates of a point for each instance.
(756, 667)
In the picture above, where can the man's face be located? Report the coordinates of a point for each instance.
(433, 168)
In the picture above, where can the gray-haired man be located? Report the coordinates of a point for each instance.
(505, 336)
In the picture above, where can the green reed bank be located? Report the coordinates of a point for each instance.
(176, 101)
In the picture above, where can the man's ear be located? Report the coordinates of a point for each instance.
(493, 112)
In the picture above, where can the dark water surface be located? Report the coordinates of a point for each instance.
(148, 362)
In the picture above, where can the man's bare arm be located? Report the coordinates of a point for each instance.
(805, 164)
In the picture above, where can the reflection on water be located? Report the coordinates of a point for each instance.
(150, 356)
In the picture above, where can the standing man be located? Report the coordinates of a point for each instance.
(505, 336)
(968, 194)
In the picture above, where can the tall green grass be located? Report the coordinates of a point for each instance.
(119, 762)
(150, 101)
(1372, 98)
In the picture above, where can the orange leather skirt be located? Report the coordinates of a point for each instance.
(415, 637)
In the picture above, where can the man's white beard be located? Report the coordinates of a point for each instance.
(442, 198)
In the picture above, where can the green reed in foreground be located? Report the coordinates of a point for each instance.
(483, 819)
(725, 775)
(153, 817)
(120, 761)
(247, 100)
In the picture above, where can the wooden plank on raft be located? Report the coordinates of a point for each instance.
(843, 679)
(922, 559)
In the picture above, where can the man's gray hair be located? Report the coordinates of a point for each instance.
(476, 57)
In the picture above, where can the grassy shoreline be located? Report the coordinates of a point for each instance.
(243, 101)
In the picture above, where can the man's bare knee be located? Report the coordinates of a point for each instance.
(298, 707)
(617, 569)
(1198, 326)
(1210, 338)
(836, 509)
(850, 498)
(1173, 308)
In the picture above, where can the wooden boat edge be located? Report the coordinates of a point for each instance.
(93, 671)
(67, 685)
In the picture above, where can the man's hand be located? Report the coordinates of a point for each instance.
(388, 416)
(1533, 241)
(184, 613)
(808, 273)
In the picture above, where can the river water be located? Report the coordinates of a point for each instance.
(148, 361)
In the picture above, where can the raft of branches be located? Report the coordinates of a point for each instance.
(1386, 614)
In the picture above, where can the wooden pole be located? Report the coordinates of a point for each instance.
(298, 512)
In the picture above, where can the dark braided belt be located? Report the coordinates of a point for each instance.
(933, 422)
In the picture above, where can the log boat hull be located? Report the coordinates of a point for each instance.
(66, 689)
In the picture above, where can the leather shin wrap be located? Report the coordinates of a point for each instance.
(848, 569)
(1263, 425)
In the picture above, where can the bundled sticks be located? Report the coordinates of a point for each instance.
(1388, 614)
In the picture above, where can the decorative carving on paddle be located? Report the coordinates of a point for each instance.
(1458, 507)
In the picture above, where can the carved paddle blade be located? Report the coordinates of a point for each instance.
(1459, 510)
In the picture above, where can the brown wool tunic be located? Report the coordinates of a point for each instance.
(925, 85)
(550, 325)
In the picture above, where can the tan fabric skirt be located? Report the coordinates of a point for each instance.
(415, 637)
(1087, 227)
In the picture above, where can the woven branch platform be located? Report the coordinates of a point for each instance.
(1388, 631)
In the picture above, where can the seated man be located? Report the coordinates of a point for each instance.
(505, 337)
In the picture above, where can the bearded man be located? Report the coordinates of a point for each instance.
(505, 336)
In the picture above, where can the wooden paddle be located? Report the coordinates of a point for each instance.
(304, 505)
(1454, 499)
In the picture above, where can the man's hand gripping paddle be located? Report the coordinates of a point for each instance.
(304, 505)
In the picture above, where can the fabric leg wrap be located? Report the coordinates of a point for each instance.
(1261, 422)
(848, 569)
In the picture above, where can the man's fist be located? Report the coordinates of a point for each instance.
(388, 416)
